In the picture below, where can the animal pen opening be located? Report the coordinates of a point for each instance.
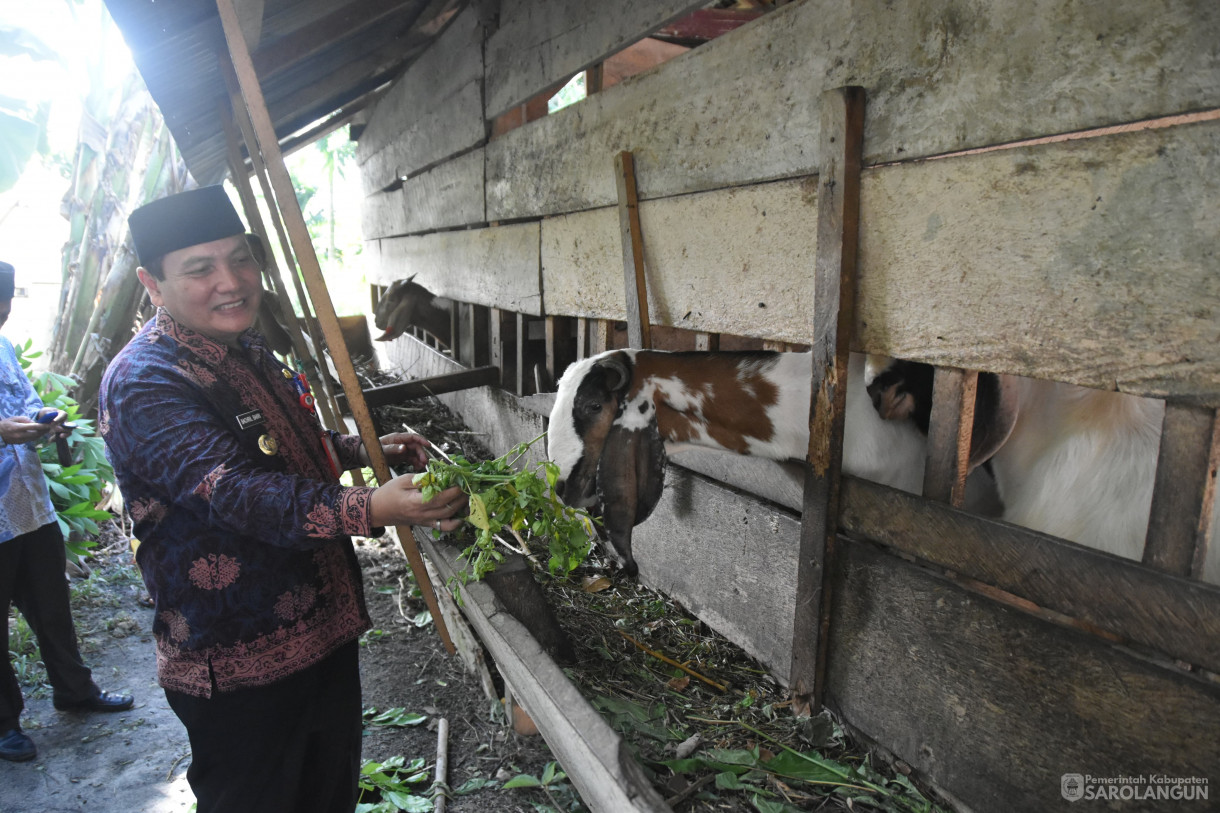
(1019, 200)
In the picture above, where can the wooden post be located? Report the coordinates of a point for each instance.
(525, 375)
(1183, 497)
(639, 331)
(840, 147)
(472, 333)
(286, 200)
(560, 351)
(949, 431)
(599, 336)
(315, 367)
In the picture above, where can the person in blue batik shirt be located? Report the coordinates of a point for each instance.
(244, 528)
(32, 556)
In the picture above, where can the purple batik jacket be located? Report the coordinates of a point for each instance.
(244, 529)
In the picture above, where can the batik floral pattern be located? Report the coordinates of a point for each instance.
(214, 572)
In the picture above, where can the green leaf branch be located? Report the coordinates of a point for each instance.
(505, 500)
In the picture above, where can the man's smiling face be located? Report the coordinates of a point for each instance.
(213, 288)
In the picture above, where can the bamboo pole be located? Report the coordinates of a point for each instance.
(286, 200)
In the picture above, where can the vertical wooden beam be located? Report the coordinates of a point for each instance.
(560, 350)
(639, 331)
(582, 339)
(286, 200)
(599, 336)
(473, 340)
(497, 342)
(525, 374)
(949, 430)
(1184, 495)
(840, 146)
(595, 78)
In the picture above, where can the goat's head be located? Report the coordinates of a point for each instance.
(393, 313)
(903, 389)
(603, 436)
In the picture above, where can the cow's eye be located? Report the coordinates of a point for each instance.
(593, 406)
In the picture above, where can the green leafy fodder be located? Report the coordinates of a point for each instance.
(521, 502)
(76, 489)
(390, 786)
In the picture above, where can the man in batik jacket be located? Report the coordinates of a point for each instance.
(244, 527)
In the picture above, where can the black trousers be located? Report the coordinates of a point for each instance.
(32, 579)
(290, 747)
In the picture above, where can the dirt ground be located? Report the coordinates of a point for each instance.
(137, 760)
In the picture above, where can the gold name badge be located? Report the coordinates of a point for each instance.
(268, 444)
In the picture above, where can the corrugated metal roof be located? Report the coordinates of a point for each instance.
(314, 58)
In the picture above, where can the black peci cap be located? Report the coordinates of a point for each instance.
(187, 219)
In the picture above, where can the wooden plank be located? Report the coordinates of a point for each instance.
(1183, 498)
(541, 42)
(729, 559)
(594, 756)
(940, 80)
(1108, 282)
(728, 261)
(445, 83)
(447, 195)
(995, 706)
(949, 431)
(383, 213)
(834, 283)
(1177, 617)
(424, 387)
(496, 266)
(632, 237)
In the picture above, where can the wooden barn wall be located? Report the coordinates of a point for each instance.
(940, 77)
(1090, 261)
(998, 705)
(434, 111)
(541, 43)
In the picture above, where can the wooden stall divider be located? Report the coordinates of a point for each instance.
(639, 328)
(560, 349)
(949, 431)
(599, 336)
(473, 343)
(841, 141)
(1184, 494)
(285, 199)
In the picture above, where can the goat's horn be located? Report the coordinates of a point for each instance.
(618, 375)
